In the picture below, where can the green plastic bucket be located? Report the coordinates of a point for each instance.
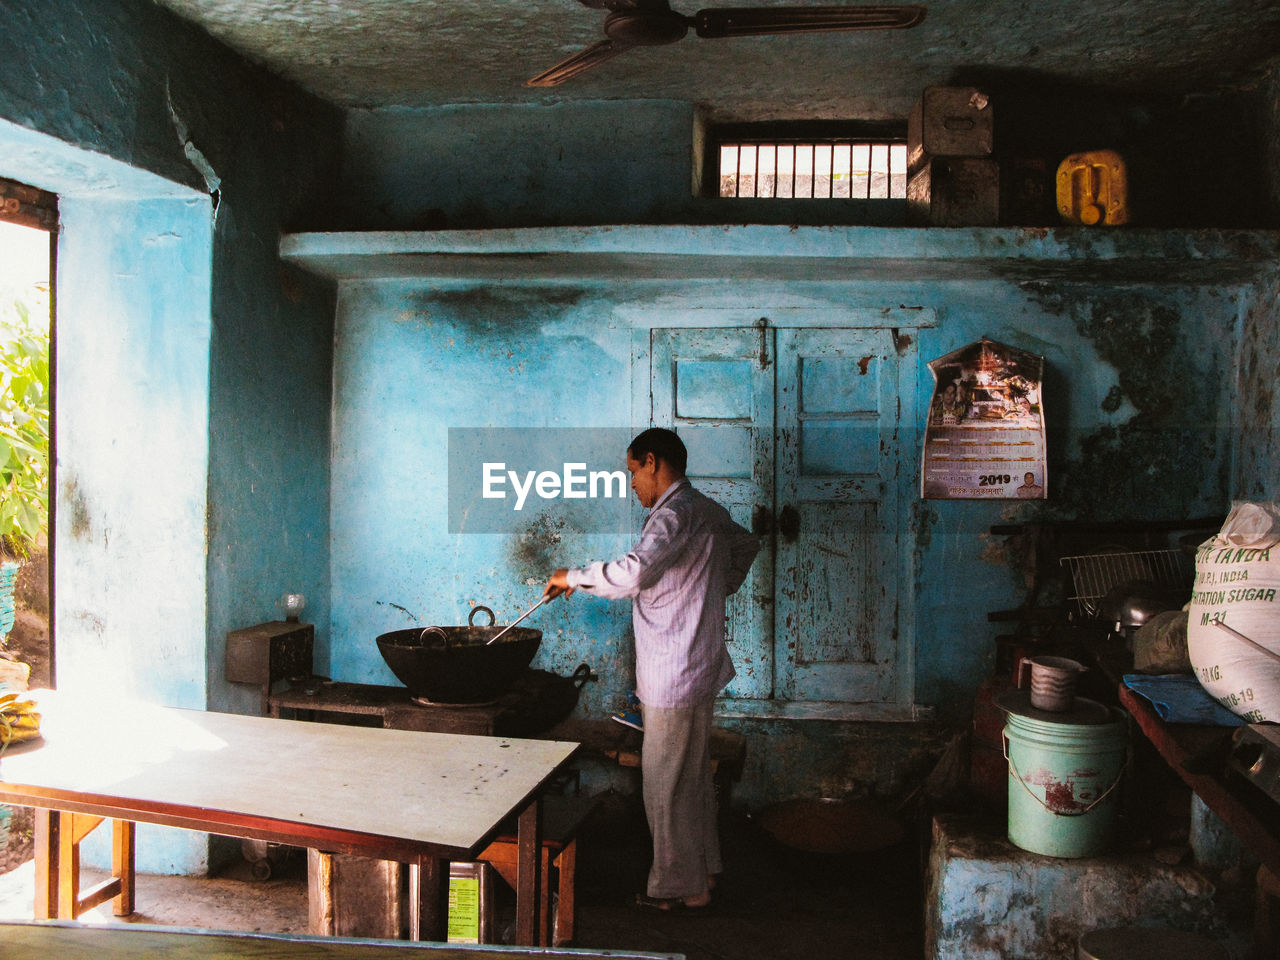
(1062, 783)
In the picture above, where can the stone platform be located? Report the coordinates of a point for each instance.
(989, 900)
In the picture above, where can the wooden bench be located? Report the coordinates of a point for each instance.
(728, 755)
(43, 940)
(562, 817)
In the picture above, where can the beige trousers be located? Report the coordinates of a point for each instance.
(680, 799)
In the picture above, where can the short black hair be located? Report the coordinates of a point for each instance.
(664, 445)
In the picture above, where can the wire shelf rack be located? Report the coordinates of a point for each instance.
(1094, 574)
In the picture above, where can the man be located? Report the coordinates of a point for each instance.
(1030, 490)
(690, 557)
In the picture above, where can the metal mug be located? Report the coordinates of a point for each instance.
(1053, 681)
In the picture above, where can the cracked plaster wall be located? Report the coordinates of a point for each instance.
(1136, 401)
(174, 316)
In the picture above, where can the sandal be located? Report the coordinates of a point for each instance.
(669, 904)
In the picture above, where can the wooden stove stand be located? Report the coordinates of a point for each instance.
(391, 705)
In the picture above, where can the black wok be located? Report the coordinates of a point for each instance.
(456, 664)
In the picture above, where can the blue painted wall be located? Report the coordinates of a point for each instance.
(1136, 399)
(193, 468)
(559, 164)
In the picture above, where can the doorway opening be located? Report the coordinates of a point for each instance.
(28, 228)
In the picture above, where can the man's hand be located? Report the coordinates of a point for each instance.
(557, 585)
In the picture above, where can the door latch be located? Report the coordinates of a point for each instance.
(789, 523)
(763, 326)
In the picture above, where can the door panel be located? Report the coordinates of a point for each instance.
(713, 389)
(838, 447)
(838, 384)
(834, 583)
(837, 568)
(721, 450)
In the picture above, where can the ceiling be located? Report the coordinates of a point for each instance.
(418, 53)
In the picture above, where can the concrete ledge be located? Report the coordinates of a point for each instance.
(787, 253)
(989, 900)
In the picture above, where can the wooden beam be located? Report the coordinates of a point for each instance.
(27, 206)
(99, 893)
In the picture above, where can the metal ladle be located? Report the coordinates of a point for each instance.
(522, 616)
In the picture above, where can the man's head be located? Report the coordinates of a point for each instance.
(1029, 479)
(656, 459)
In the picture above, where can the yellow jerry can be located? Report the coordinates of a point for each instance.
(1092, 188)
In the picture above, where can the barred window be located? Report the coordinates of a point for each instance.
(824, 169)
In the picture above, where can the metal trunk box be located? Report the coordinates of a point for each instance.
(955, 192)
(949, 122)
(351, 896)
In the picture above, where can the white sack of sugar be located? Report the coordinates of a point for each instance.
(1233, 629)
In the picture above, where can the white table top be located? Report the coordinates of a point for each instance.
(445, 790)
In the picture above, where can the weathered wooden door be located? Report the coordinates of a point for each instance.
(838, 557)
(796, 431)
(715, 387)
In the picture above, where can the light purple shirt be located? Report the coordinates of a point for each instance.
(690, 557)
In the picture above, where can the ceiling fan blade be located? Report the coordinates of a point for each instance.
(751, 21)
(580, 62)
(625, 6)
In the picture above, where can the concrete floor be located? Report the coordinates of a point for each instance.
(770, 903)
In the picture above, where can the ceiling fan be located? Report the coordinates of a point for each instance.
(652, 23)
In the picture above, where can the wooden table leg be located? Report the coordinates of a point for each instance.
(122, 860)
(48, 827)
(529, 874)
(57, 861)
(429, 900)
(68, 858)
